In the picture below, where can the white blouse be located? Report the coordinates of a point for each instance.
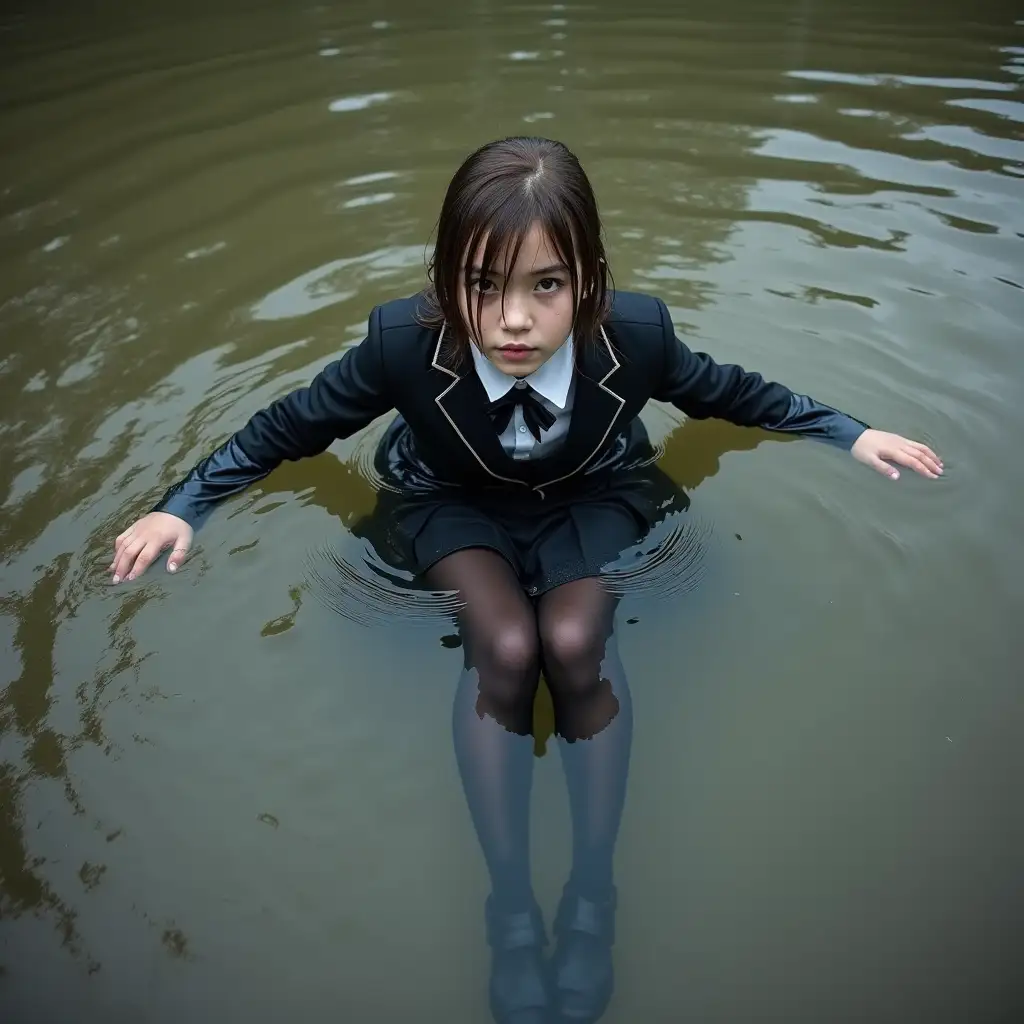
(555, 384)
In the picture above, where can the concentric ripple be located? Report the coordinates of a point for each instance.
(368, 592)
(670, 561)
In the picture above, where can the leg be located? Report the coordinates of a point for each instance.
(493, 711)
(491, 725)
(594, 718)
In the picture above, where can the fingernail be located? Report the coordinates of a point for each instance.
(895, 476)
(172, 567)
(131, 575)
(117, 579)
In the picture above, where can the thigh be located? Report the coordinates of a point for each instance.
(488, 587)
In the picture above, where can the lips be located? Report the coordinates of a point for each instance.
(516, 352)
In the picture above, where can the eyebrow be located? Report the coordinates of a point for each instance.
(541, 272)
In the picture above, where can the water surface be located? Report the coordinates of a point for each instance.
(220, 799)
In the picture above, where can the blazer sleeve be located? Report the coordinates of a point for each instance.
(344, 397)
(702, 388)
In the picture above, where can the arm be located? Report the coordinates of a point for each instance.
(344, 397)
(700, 387)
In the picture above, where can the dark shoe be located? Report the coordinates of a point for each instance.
(518, 987)
(582, 965)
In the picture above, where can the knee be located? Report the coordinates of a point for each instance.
(508, 673)
(573, 644)
(514, 650)
(507, 660)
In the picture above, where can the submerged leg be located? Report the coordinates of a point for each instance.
(491, 726)
(594, 719)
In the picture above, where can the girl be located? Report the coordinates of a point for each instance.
(520, 468)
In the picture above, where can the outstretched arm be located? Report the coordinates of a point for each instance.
(344, 397)
(702, 388)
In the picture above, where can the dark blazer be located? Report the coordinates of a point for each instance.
(444, 437)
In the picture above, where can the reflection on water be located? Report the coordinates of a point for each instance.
(318, 288)
(218, 797)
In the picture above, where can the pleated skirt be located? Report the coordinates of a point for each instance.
(548, 541)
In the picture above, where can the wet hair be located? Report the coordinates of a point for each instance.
(499, 193)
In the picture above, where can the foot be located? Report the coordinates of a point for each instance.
(518, 987)
(582, 965)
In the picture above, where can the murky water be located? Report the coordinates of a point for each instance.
(221, 800)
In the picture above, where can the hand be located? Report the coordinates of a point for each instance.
(139, 545)
(876, 448)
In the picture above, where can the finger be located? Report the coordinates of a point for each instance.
(126, 559)
(124, 533)
(912, 461)
(928, 459)
(926, 452)
(178, 554)
(119, 543)
(144, 559)
(883, 467)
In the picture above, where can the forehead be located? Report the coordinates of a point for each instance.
(537, 250)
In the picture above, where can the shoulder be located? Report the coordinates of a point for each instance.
(397, 314)
(639, 326)
(396, 326)
(637, 308)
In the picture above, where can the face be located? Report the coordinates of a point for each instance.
(523, 332)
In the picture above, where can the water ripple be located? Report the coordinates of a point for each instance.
(349, 103)
(334, 282)
(363, 458)
(1009, 110)
(370, 593)
(674, 564)
(889, 80)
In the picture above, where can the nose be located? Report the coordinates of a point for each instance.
(515, 314)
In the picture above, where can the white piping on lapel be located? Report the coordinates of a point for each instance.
(462, 437)
(539, 488)
(611, 422)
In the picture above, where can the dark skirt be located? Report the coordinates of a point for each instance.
(548, 541)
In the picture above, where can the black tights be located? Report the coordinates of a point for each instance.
(507, 640)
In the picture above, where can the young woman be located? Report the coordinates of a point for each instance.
(520, 468)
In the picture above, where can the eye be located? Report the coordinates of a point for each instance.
(549, 284)
(484, 285)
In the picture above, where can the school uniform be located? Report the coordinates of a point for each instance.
(459, 474)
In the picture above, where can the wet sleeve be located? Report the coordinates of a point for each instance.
(702, 388)
(344, 397)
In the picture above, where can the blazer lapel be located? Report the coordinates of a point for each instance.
(595, 410)
(463, 403)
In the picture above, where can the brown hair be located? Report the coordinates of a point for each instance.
(499, 192)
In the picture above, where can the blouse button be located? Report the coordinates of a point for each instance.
(522, 430)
